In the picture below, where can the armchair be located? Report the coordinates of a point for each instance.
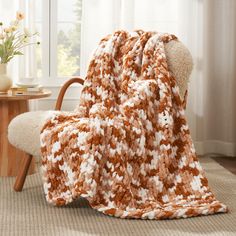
(179, 61)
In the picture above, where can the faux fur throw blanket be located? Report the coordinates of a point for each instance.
(127, 147)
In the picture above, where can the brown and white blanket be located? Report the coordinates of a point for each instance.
(127, 147)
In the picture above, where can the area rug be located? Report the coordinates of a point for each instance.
(27, 213)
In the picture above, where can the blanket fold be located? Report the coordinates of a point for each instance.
(127, 148)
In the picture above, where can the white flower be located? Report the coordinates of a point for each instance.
(25, 40)
(27, 32)
(14, 23)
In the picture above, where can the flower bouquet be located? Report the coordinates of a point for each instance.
(13, 38)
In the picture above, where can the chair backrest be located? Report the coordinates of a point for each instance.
(180, 63)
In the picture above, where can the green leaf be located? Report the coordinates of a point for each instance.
(18, 53)
(1, 50)
(8, 59)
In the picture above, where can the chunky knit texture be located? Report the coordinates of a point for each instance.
(127, 147)
(179, 61)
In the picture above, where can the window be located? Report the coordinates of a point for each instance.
(59, 25)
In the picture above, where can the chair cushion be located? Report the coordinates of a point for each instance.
(24, 131)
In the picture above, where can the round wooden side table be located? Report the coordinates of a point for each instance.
(11, 106)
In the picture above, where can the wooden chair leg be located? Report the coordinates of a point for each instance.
(20, 179)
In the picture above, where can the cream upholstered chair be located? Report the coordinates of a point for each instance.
(180, 64)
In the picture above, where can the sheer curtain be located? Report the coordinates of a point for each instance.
(208, 29)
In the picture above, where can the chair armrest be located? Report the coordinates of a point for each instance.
(64, 89)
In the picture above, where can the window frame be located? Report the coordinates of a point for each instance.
(49, 44)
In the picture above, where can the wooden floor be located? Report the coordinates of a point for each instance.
(228, 163)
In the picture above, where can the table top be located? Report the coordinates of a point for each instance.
(44, 94)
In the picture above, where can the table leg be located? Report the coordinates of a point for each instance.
(11, 157)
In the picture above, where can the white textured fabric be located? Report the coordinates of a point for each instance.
(24, 131)
(201, 26)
